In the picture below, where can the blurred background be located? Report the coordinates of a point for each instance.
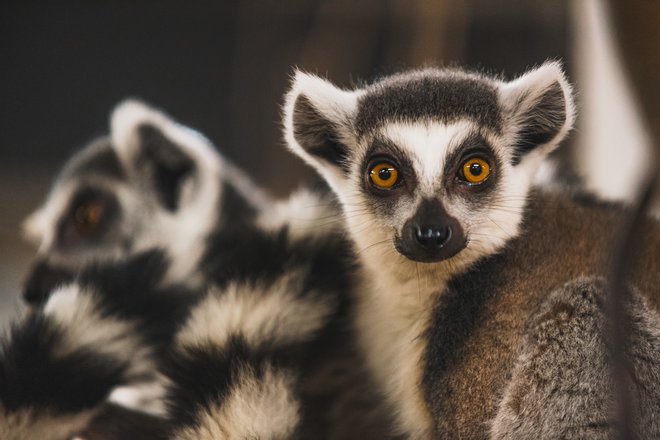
(222, 68)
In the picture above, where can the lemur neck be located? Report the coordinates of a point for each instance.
(393, 313)
(406, 282)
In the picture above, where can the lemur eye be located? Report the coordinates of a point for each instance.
(475, 170)
(384, 175)
(88, 215)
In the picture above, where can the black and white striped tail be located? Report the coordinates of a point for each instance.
(235, 363)
(58, 366)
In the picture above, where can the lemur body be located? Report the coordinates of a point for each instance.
(272, 327)
(152, 187)
(434, 169)
(529, 324)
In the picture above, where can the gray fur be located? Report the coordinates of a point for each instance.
(444, 95)
(561, 385)
(97, 158)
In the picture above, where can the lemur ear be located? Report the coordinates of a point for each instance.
(317, 121)
(539, 106)
(159, 151)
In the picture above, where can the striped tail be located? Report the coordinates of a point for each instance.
(58, 366)
(235, 363)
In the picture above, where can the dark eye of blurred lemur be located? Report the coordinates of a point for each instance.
(480, 304)
(166, 277)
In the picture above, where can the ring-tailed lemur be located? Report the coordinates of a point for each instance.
(245, 363)
(278, 297)
(434, 169)
(152, 187)
(151, 184)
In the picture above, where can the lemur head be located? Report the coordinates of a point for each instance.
(434, 164)
(151, 184)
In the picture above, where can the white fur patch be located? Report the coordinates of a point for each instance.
(305, 214)
(546, 175)
(392, 316)
(273, 314)
(84, 326)
(35, 227)
(427, 145)
(147, 397)
(262, 407)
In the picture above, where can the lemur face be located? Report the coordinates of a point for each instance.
(434, 165)
(152, 184)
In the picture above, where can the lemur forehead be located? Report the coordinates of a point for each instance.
(426, 145)
(433, 94)
(97, 159)
(421, 136)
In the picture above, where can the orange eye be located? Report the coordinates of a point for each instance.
(384, 175)
(88, 216)
(476, 170)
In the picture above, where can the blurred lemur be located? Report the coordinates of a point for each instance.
(156, 255)
(480, 303)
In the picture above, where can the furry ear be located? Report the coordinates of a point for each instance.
(540, 107)
(159, 150)
(317, 121)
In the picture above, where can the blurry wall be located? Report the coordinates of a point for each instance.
(221, 67)
(614, 139)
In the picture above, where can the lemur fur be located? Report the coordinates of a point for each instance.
(434, 169)
(272, 267)
(151, 184)
(58, 366)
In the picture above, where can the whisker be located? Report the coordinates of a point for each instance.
(373, 244)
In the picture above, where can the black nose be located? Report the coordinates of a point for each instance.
(432, 237)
